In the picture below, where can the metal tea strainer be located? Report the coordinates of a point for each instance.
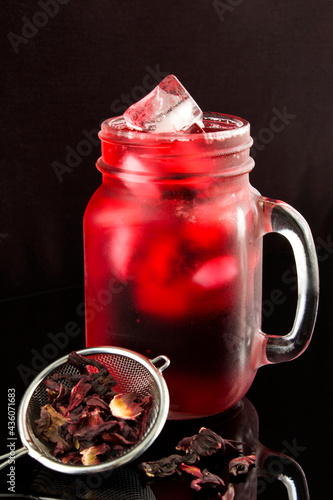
(133, 372)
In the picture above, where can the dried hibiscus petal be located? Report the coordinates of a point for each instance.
(129, 432)
(75, 415)
(206, 443)
(102, 384)
(78, 393)
(73, 457)
(62, 447)
(191, 469)
(53, 387)
(127, 406)
(95, 400)
(81, 362)
(241, 465)
(57, 394)
(89, 456)
(147, 404)
(203, 444)
(89, 422)
(78, 422)
(167, 466)
(204, 478)
(115, 438)
(93, 429)
(50, 424)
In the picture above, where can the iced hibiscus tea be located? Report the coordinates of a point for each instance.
(173, 259)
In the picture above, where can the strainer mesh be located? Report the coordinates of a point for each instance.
(131, 376)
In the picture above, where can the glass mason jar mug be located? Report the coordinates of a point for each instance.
(173, 260)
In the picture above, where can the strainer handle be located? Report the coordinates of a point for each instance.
(158, 359)
(18, 453)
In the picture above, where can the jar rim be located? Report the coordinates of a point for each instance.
(220, 127)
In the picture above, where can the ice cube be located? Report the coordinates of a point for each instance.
(167, 108)
(133, 183)
(121, 247)
(216, 272)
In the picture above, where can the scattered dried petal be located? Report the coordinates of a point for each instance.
(206, 443)
(167, 466)
(241, 465)
(204, 478)
(191, 469)
(207, 479)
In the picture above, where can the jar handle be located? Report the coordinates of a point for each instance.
(281, 218)
(273, 465)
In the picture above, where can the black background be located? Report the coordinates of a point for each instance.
(62, 74)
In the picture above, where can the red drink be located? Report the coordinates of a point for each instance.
(173, 243)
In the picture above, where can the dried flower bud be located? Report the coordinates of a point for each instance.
(206, 443)
(241, 465)
(167, 466)
(162, 468)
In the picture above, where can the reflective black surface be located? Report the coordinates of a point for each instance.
(287, 410)
(128, 483)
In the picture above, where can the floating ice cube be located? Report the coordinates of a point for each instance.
(216, 272)
(167, 108)
(121, 248)
(132, 181)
